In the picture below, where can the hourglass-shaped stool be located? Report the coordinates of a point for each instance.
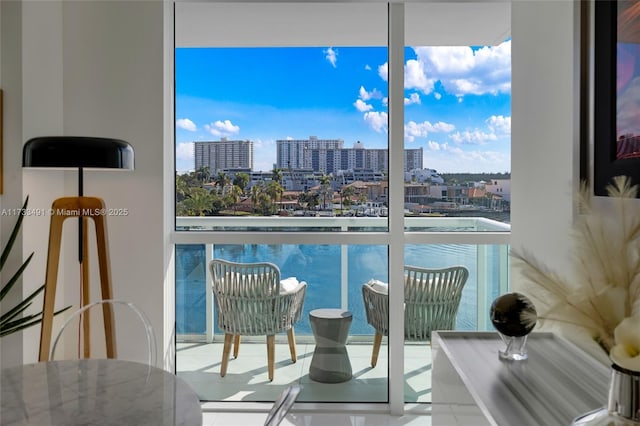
(330, 362)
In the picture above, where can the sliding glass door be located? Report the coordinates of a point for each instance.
(324, 138)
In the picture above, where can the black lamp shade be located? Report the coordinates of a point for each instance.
(77, 152)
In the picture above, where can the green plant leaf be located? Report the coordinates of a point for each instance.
(14, 235)
(9, 323)
(20, 307)
(22, 323)
(14, 278)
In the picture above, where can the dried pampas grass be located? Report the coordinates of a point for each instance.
(606, 263)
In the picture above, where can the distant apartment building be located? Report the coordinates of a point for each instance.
(501, 187)
(420, 175)
(328, 156)
(332, 161)
(295, 153)
(413, 159)
(223, 155)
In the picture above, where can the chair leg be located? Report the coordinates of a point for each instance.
(225, 354)
(271, 355)
(377, 340)
(236, 346)
(292, 344)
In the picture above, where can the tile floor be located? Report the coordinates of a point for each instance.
(317, 419)
(246, 379)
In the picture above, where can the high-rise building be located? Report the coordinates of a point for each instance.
(296, 154)
(413, 159)
(223, 155)
(328, 156)
(333, 160)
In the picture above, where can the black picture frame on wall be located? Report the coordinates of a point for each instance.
(615, 152)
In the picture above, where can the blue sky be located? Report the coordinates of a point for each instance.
(457, 101)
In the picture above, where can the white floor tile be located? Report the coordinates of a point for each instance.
(246, 378)
(316, 419)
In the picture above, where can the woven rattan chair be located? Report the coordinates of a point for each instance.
(252, 302)
(431, 300)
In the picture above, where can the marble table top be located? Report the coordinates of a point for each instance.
(555, 384)
(95, 392)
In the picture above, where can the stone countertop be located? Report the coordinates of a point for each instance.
(95, 392)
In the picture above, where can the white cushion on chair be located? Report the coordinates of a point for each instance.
(288, 284)
(379, 286)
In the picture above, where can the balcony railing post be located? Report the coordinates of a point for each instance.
(344, 276)
(503, 258)
(208, 292)
(481, 287)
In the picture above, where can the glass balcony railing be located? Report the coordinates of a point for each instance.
(335, 272)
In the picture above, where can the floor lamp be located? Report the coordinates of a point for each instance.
(65, 152)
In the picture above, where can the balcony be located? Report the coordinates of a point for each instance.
(334, 273)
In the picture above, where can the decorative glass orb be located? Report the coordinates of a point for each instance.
(513, 314)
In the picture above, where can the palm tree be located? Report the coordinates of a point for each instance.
(222, 180)
(325, 189)
(264, 203)
(234, 197)
(302, 200)
(181, 187)
(275, 191)
(199, 202)
(256, 190)
(346, 193)
(241, 180)
(313, 200)
(203, 174)
(276, 175)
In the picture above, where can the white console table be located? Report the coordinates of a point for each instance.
(472, 386)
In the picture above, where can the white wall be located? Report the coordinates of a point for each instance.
(11, 83)
(544, 129)
(96, 69)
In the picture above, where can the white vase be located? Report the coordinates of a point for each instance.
(623, 406)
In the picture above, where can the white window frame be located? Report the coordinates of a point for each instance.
(395, 238)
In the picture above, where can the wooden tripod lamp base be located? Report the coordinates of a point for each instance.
(84, 208)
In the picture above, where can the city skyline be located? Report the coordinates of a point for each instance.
(457, 101)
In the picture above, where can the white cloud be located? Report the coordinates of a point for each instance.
(415, 77)
(383, 71)
(366, 95)
(437, 95)
(449, 158)
(186, 124)
(499, 124)
(331, 56)
(414, 130)
(376, 120)
(460, 69)
(367, 67)
(222, 128)
(184, 156)
(473, 137)
(362, 106)
(414, 98)
(433, 146)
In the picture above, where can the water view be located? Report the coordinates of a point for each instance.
(321, 267)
